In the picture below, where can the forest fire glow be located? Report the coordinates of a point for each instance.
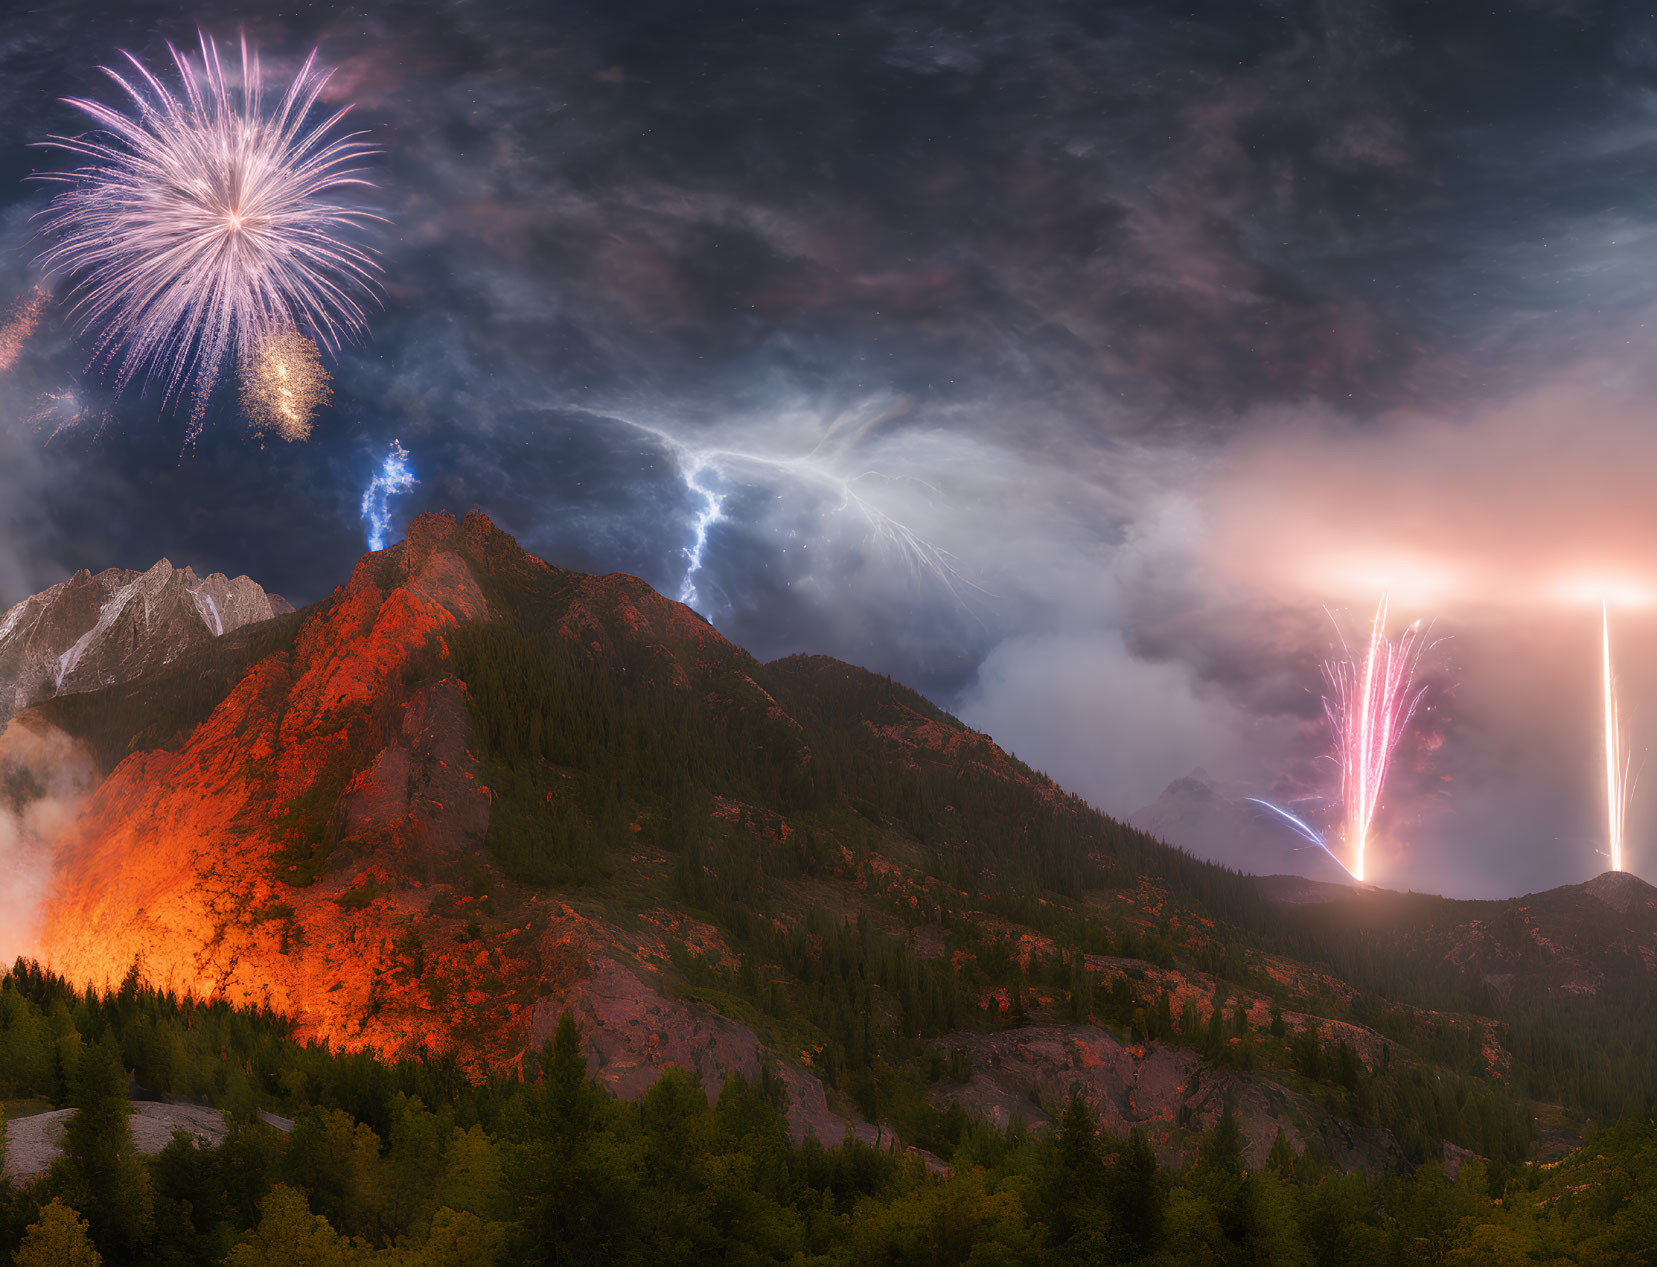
(1372, 696)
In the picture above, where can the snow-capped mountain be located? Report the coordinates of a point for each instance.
(96, 630)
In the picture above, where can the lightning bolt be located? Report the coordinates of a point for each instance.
(712, 512)
(1304, 829)
(393, 477)
(819, 469)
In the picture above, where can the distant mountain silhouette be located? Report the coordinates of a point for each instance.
(1222, 826)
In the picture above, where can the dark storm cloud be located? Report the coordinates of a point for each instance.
(972, 315)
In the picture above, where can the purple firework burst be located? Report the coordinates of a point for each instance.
(203, 220)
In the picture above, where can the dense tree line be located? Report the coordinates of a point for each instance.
(586, 755)
(407, 1165)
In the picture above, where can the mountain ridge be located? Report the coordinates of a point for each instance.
(469, 791)
(96, 630)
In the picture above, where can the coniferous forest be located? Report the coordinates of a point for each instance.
(332, 1159)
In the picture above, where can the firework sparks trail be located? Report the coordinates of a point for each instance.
(21, 320)
(393, 478)
(1616, 759)
(1372, 698)
(197, 225)
(713, 510)
(62, 411)
(1302, 828)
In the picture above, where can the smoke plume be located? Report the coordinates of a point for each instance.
(44, 782)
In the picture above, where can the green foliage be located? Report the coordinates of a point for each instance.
(409, 1165)
(25, 1061)
(59, 1239)
(1069, 1196)
(590, 754)
(580, 749)
(1136, 1194)
(289, 1235)
(99, 1171)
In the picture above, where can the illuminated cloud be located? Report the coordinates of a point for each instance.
(1542, 499)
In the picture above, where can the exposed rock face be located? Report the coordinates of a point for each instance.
(96, 630)
(630, 1034)
(189, 862)
(1164, 1090)
(194, 862)
(180, 860)
(34, 1143)
(1211, 822)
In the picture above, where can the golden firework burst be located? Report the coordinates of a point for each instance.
(284, 385)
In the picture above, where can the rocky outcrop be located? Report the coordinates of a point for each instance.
(205, 865)
(1035, 1070)
(631, 1033)
(96, 630)
(320, 844)
(33, 1143)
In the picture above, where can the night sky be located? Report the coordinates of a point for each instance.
(1081, 365)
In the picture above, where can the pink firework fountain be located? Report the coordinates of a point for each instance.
(1372, 696)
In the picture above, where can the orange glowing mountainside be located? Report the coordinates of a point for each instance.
(322, 842)
(329, 814)
(470, 790)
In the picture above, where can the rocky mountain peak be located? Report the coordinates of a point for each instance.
(433, 532)
(1622, 891)
(94, 630)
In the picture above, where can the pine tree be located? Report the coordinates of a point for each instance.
(1281, 1159)
(1137, 1195)
(1072, 1184)
(24, 1061)
(102, 1175)
(57, 1239)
